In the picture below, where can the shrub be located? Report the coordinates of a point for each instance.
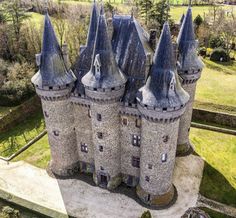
(219, 54)
(17, 86)
(146, 214)
(216, 42)
(203, 51)
(198, 20)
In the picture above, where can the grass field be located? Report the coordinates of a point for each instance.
(22, 133)
(4, 110)
(219, 152)
(217, 84)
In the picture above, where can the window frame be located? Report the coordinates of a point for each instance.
(135, 161)
(84, 147)
(136, 140)
(164, 157)
(99, 117)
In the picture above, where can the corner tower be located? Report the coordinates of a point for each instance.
(53, 83)
(161, 102)
(104, 86)
(189, 67)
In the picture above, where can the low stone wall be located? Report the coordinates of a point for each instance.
(218, 118)
(19, 113)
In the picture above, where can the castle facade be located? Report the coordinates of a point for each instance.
(125, 110)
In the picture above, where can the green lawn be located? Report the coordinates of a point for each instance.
(22, 133)
(219, 152)
(217, 84)
(214, 214)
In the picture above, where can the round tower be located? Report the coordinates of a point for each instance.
(189, 67)
(53, 83)
(161, 102)
(104, 86)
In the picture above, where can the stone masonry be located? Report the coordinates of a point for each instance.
(119, 114)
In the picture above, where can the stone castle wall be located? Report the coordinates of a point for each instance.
(107, 158)
(128, 150)
(185, 120)
(61, 135)
(157, 139)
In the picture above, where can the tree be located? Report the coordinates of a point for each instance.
(145, 7)
(160, 12)
(15, 15)
(146, 214)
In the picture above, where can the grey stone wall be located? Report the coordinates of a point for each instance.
(185, 120)
(127, 148)
(152, 148)
(83, 129)
(60, 126)
(107, 161)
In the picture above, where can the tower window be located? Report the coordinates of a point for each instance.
(136, 140)
(99, 117)
(100, 148)
(56, 133)
(125, 121)
(150, 166)
(163, 158)
(89, 113)
(165, 138)
(100, 135)
(46, 114)
(84, 147)
(136, 162)
(138, 123)
(147, 178)
(101, 168)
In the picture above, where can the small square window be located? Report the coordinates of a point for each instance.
(56, 133)
(46, 114)
(84, 147)
(89, 113)
(125, 121)
(150, 166)
(136, 162)
(100, 135)
(101, 168)
(136, 140)
(165, 138)
(138, 123)
(100, 148)
(147, 178)
(163, 158)
(99, 117)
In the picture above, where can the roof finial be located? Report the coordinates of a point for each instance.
(190, 3)
(102, 8)
(132, 13)
(168, 10)
(46, 6)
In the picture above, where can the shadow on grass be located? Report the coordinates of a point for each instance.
(216, 187)
(21, 133)
(214, 214)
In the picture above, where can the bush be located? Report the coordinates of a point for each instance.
(17, 86)
(219, 54)
(146, 214)
(216, 42)
(203, 51)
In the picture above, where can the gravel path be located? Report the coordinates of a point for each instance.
(32, 188)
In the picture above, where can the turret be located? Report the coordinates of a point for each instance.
(189, 67)
(53, 83)
(161, 102)
(104, 86)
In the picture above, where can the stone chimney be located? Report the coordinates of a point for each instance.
(153, 38)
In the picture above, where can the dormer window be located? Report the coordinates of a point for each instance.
(172, 83)
(97, 65)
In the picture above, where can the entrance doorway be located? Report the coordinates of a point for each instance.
(103, 181)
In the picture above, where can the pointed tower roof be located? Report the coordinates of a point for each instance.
(92, 25)
(104, 72)
(188, 58)
(52, 70)
(162, 88)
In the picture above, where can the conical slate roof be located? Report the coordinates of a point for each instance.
(188, 58)
(162, 88)
(109, 74)
(52, 70)
(92, 25)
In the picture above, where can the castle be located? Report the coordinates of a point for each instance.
(126, 110)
